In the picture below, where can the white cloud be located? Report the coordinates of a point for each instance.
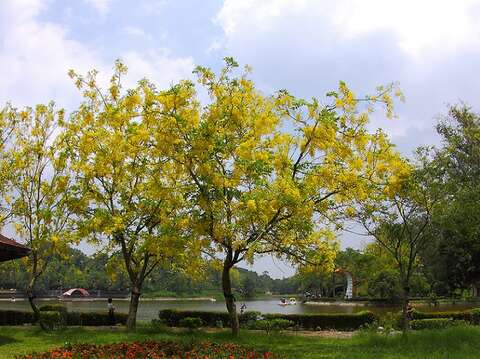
(159, 66)
(35, 56)
(102, 6)
(417, 25)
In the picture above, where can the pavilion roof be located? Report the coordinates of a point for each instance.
(9, 249)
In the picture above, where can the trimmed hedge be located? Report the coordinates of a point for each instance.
(51, 320)
(457, 315)
(94, 318)
(15, 317)
(210, 319)
(307, 321)
(340, 321)
(191, 323)
(53, 308)
(435, 323)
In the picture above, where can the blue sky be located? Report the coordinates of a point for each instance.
(431, 47)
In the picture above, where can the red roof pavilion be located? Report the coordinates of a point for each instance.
(9, 249)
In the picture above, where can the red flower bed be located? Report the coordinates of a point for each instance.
(152, 350)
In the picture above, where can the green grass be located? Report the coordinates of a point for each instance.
(461, 342)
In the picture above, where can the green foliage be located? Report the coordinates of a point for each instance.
(273, 325)
(475, 316)
(13, 317)
(249, 316)
(51, 320)
(210, 319)
(435, 323)
(53, 308)
(94, 319)
(453, 258)
(157, 324)
(387, 323)
(455, 315)
(16, 317)
(341, 321)
(452, 343)
(305, 321)
(190, 323)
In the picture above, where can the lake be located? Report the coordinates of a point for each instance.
(148, 308)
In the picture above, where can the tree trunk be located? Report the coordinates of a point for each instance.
(230, 299)
(132, 311)
(31, 299)
(405, 311)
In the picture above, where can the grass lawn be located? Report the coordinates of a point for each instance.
(460, 342)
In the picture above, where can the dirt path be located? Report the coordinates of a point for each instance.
(303, 333)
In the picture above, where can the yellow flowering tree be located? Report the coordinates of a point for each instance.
(39, 190)
(128, 193)
(270, 174)
(8, 123)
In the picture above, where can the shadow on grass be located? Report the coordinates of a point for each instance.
(6, 340)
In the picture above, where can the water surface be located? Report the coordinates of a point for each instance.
(148, 309)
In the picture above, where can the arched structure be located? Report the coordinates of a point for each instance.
(81, 291)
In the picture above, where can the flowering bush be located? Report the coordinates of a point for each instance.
(152, 350)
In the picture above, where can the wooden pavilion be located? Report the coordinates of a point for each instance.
(9, 249)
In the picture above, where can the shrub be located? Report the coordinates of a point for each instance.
(209, 319)
(306, 321)
(157, 324)
(386, 324)
(475, 316)
(191, 323)
(53, 308)
(16, 317)
(250, 316)
(62, 310)
(51, 320)
(273, 325)
(435, 323)
(94, 318)
(341, 321)
(456, 315)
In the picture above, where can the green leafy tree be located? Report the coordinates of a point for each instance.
(401, 225)
(454, 258)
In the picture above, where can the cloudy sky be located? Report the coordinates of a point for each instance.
(430, 46)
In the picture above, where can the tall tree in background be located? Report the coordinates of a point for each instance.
(40, 190)
(129, 194)
(268, 174)
(455, 255)
(400, 222)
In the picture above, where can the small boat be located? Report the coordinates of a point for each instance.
(291, 301)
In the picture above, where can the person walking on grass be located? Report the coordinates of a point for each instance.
(111, 312)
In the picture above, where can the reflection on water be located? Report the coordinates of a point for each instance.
(148, 309)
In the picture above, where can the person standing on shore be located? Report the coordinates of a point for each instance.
(111, 312)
